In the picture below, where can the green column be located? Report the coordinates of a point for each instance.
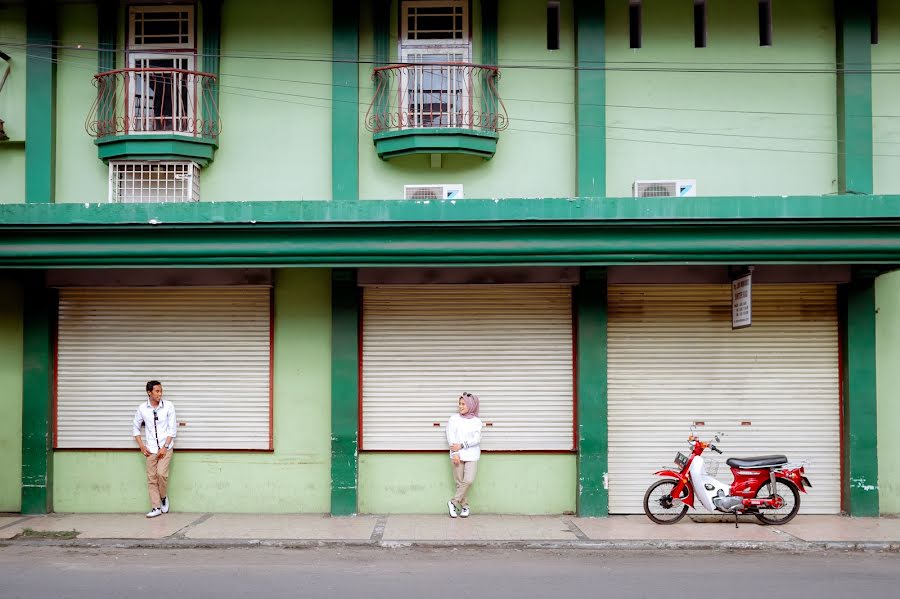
(40, 102)
(212, 35)
(860, 426)
(854, 97)
(590, 98)
(37, 385)
(344, 392)
(489, 25)
(107, 26)
(345, 112)
(591, 315)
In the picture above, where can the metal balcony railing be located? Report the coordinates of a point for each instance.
(450, 95)
(155, 100)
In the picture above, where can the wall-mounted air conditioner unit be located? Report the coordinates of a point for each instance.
(433, 192)
(678, 188)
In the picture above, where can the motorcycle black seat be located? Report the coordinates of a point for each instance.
(757, 462)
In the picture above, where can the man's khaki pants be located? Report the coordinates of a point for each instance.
(158, 477)
(464, 473)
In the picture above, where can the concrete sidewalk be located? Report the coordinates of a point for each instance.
(805, 533)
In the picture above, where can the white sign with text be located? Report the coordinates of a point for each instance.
(742, 302)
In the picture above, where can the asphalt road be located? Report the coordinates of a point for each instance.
(440, 573)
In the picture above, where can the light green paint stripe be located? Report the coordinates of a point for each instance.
(887, 343)
(854, 97)
(860, 443)
(590, 97)
(11, 370)
(345, 101)
(37, 373)
(421, 483)
(40, 99)
(609, 211)
(344, 392)
(591, 316)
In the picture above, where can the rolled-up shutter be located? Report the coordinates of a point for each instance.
(208, 346)
(772, 388)
(509, 344)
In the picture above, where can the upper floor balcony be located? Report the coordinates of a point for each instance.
(155, 113)
(436, 108)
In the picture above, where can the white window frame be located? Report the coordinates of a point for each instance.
(405, 5)
(145, 124)
(134, 10)
(193, 174)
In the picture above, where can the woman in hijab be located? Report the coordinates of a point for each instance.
(464, 438)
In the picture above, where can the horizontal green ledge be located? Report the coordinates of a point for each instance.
(455, 245)
(435, 140)
(156, 146)
(613, 211)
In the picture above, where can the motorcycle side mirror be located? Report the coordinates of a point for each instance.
(718, 439)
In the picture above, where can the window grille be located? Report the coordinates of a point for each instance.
(435, 21)
(156, 27)
(147, 182)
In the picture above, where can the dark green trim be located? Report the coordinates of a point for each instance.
(854, 97)
(591, 317)
(391, 144)
(345, 101)
(860, 424)
(590, 97)
(212, 35)
(344, 392)
(37, 385)
(382, 31)
(156, 147)
(40, 102)
(489, 26)
(107, 30)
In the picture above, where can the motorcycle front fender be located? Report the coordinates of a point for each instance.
(684, 481)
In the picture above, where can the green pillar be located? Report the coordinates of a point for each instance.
(345, 112)
(344, 392)
(590, 98)
(107, 28)
(40, 102)
(37, 384)
(212, 36)
(854, 97)
(593, 438)
(860, 426)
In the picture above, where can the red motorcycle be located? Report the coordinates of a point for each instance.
(766, 487)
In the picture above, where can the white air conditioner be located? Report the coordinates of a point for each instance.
(433, 192)
(682, 188)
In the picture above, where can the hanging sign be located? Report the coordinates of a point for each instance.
(742, 302)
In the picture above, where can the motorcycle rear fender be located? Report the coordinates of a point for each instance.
(796, 476)
(683, 482)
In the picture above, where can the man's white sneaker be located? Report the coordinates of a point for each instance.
(154, 512)
(465, 512)
(452, 509)
(165, 505)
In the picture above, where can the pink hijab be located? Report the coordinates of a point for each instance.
(471, 405)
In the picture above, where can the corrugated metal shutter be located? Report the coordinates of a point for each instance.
(509, 344)
(209, 346)
(674, 360)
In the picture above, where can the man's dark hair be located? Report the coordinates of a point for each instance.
(151, 384)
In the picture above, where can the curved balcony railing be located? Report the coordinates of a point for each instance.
(155, 100)
(449, 95)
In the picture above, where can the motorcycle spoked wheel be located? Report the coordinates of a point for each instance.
(791, 496)
(659, 504)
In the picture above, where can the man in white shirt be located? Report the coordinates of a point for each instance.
(158, 419)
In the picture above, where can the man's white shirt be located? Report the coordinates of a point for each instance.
(159, 424)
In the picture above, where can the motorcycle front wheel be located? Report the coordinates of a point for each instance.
(660, 506)
(791, 496)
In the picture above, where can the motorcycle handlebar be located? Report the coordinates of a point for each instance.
(716, 449)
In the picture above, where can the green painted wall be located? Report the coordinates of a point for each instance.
(645, 142)
(276, 113)
(887, 323)
(535, 155)
(12, 106)
(11, 398)
(885, 91)
(294, 478)
(413, 483)
(80, 175)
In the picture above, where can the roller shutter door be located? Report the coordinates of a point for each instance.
(509, 344)
(772, 388)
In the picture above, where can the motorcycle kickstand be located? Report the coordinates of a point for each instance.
(735, 519)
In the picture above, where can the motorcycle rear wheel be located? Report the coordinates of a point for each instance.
(659, 504)
(791, 496)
